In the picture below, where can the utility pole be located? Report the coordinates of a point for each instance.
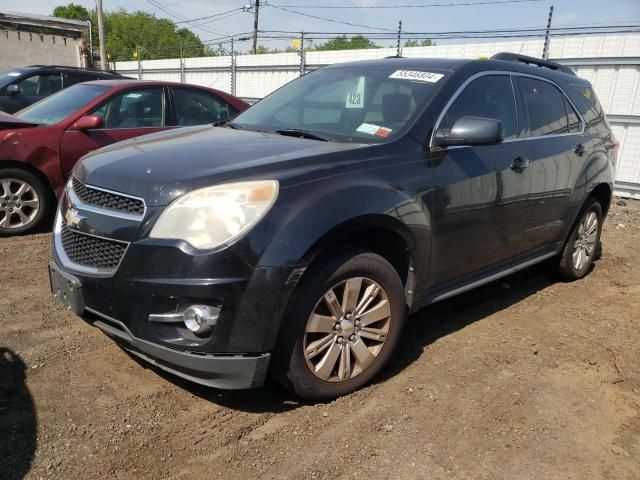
(103, 51)
(545, 49)
(302, 59)
(255, 26)
(233, 68)
(399, 47)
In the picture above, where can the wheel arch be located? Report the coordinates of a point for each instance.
(46, 181)
(603, 193)
(381, 234)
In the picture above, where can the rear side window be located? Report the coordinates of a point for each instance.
(71, 78)
(489, 96)
(545, 107)
(195, 107)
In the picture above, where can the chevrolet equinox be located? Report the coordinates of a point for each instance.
(297, 237)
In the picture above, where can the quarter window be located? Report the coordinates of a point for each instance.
(574, 120)
(490, 96)
(545, 108)
(134, 109)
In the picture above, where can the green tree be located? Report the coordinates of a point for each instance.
(72, 11)
(139, 34)
(341, 42)
(424, 43)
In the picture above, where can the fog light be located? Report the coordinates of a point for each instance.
(200, 318)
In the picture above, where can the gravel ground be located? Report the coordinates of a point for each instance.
(525, 378)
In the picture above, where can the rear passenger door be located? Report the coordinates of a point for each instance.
(478, 212)
(553, 130)
(199, 107)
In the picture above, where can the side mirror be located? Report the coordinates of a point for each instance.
(89, 122)
(14, 89)
(470, 130)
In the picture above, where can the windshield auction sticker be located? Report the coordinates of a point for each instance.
(355, 99)
(416, 76)
(371, 129)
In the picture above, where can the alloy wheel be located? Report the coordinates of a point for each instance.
(19, 203)
(347, 330)
(585, 243)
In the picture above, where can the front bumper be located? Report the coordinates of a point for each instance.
(219, 371)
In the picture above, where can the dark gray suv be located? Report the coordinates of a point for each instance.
(23, 86)
(297, 237)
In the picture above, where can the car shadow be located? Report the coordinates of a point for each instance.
(422, 329)
(18, 421)
(444, 318)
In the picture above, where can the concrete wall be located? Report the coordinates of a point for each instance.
(22, 48)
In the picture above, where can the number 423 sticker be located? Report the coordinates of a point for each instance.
(355, 98)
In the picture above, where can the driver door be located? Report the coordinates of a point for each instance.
(479, 208)
(127, 114)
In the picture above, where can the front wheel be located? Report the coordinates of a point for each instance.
(24, 202)
(583, 244)
(342, 326)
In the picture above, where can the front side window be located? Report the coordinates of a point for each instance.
(544, 106)
(365, 104)
(41, 85)
(489, 96)
(195, 107)
(59, 106)
(134, 109)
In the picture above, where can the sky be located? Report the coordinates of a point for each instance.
(524, 14)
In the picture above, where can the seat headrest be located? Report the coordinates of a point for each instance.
(395, 107)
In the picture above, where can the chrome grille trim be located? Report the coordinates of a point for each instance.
(84, 195)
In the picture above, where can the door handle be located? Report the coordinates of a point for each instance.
(579, 149)
(519, 164)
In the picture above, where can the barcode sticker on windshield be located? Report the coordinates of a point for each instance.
(417, 76)
(355, 99)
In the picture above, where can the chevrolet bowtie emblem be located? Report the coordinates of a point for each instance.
(73, 218)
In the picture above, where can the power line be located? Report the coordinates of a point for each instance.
(429, 5)
(209, 16)
(329, 19)
(180, 17)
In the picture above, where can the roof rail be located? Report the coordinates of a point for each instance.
(516, 57)
(82, 69)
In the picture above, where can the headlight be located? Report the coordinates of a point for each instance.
(212, 216)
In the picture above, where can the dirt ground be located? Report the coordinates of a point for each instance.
(522, 379)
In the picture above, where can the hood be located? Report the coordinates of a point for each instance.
(162, 166)
(8, 121)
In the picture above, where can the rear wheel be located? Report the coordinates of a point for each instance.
(582, 247)
(342, 326)
(24, 202)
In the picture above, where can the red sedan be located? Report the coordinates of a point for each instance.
(40, 144)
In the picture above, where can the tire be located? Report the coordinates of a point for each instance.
(339, 361)
(571, 265)
(24, 202)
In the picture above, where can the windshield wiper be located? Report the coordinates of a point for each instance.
(296, 132)
(227, 122)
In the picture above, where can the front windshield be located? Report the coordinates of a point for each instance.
(60, 105)
(367, 104)
(8, 77)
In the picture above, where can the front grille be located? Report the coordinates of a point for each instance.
(110, 201)
(91, 251)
